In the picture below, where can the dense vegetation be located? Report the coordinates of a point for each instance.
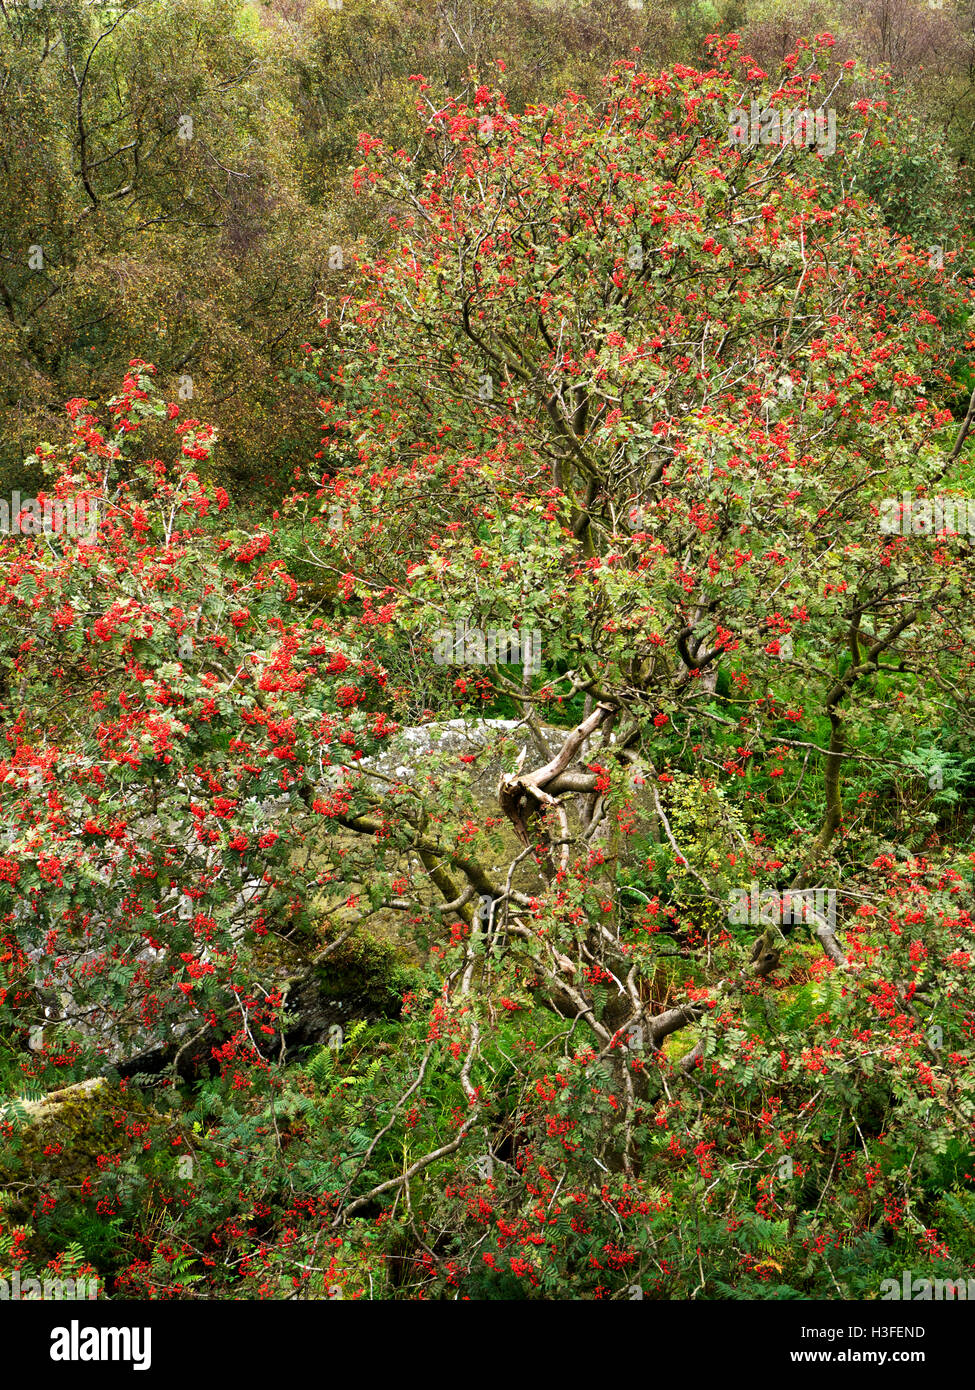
(345, 951)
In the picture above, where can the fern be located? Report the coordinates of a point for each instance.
(321, 1066)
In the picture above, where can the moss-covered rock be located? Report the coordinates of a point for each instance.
(60, 1137)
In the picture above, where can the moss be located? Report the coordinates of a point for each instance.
(369, 972)
(678, 1045)
(78, 1123)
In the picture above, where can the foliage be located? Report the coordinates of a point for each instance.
(596, 372)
